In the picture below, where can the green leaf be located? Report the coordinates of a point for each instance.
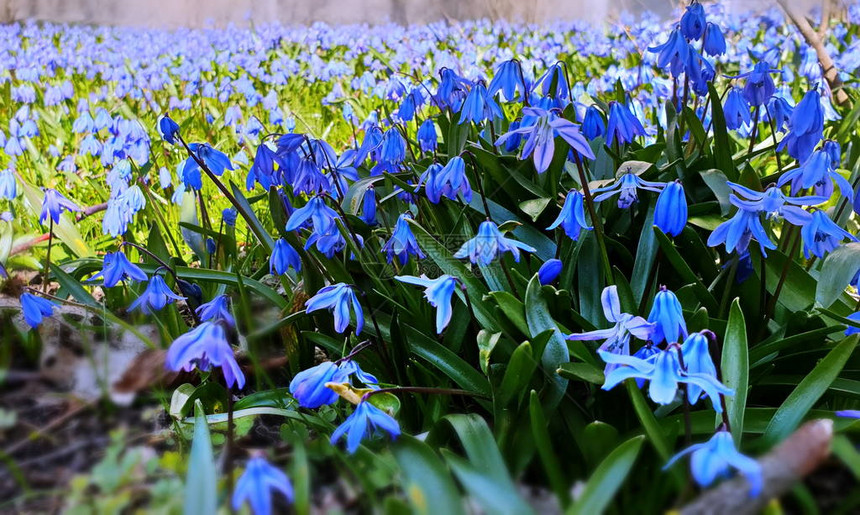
(838, 269)
(649, 422)
(487, 341)
(201, 488)
(534, 207)
(684, 271)
(722, 146)
(493, 496)
(583, 371)
(607, 479)
(512, 307)
(803, 398)
(247, 213)
(517, 375)
(735, 369)
(646, 252)
(426, 482)
(546, 451)
(74, 287)
(446, 361)
(717, 182)
(555, 353)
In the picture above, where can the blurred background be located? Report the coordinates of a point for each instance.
(201, 13)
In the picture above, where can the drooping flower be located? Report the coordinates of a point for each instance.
(308, 386)
(819, 173)
(697, 360)
(592, 123)
(627, 185)
(821, 235)
(667, 317)
(855, 317)
(572, 216)
(8, 184)
(203, 347)
(479, 106)
(53, 206)
(509, 80)
(715, 458)
(553, 83)
(35, 309)
(693, 21)
(257, 484)
(759, 86)
(736, 110)
(228, 216)
(452, 180)
(427, 138)
(402, 243)
(616, 338)
(774, 203)
(321, 216)
(489, 244)
(283, 257)
(216, 309)
(215, 160)
(623, 125)
(549, 271)
(714, 43)
(155, 297)
(116, 267)
(672, 53)
(366, 421)
(737, 232)
(663, 371)
(438, 293)
(338, 298)
(670, 212)
(168, 129)
(540, 137)
(805, 127)
(368, 206)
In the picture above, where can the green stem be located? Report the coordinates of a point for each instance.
(596, 222)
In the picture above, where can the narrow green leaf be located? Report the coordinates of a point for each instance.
(201, 489)
(517, 376)
(735, 369)
(649, 422)
(74, 287)
(446, 361)
(426, 481)
(803, 398)
(555, 353)
(838, 269)
(607, 479)
(546, 451)
(722, 146)
(493, 496)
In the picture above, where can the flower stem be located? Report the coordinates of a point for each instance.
(48, 255)
(596, 222)
(425, 389)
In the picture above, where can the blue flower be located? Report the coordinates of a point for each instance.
(673, 53)
(715, 458)
(53, 206)
(351, 368)
(592, 123)
(736, 110)
(262, 169)
(737, 232)
(8, 185)
(572, 216)
(216, 161)
(284, 256)
(366, 420)
(759, 86)
(540, 137)
(693, 21)
(667, 317)
(309, 385)
(438, 293)
(256, 484)
(627, 185)
(451, 180)
(623, 125)
(402, 242)
(663, 371)
(819, 173)
(392, 148)
(509, 80)
(479, 106)
(428, 179)
(779, 112)
(805, 127)
(697, 360)
(856, 318)
(488, 244)
(368, 206)
(321, 216)
(452, 89)
(714, 43)
(216, 309)
(118, 268)
(774, 203)
(168, 129)
(155, 297)
(553, 83)
(848, 413)
(549, 271)
(427, 138)
(670, 212)
(228, 216)
(203, 347)
(338, 298)
(617, 337)
(36, 308)
(821, 235)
